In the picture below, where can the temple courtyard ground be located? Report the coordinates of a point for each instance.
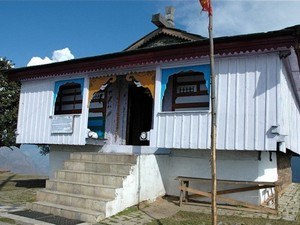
(16, 190)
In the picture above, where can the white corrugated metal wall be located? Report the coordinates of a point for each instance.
(36, 107)
(290, 116)
(247, 108)
(247, 89)
(247, 102)
(183, 130)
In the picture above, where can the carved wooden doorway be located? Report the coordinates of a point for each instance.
(140, 111)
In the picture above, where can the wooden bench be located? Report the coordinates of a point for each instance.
(249, 186)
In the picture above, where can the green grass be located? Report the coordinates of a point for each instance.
(192, 218)
(17, 189)
(7, 220)
(127, 211)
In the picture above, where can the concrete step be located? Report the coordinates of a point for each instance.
(74, 200)
(102, 167)
(95, 190)
(104, 157)
(90, 177)
(69, 212)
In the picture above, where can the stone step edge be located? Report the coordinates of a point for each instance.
(94, 173)
(100, 199)
(96, 162)
(86, 184)
(99, 215)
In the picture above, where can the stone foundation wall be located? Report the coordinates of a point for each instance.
(284, 168)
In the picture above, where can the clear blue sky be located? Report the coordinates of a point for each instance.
(88, 28)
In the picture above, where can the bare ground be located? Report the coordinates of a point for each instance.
(17, 189)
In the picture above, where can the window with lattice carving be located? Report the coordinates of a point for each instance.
(189, 92)
(68, 99)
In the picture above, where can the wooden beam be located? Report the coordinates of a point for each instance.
(68, 102)
(199, 179)
(190, 105)
(228, 200)
(242, 189)
(197, 93)
(71, 111)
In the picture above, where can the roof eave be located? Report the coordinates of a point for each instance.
(223, 45)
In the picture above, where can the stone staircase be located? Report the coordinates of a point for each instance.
(87, 188)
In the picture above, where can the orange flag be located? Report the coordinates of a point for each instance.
(206, 6)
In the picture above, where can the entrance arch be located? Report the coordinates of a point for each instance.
(140, 106)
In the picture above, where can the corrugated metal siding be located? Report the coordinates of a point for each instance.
(34, 123)
(247, 102)
(247, 108)
(184, 130)
(290, 116)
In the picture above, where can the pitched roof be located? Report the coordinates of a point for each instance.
(164, 36)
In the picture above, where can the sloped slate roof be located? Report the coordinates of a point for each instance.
(285, 38)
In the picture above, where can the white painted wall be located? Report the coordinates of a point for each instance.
(154, 175)
(238, 165)
(246, 108)
(289, 112)
(145, 183)
(35, 109)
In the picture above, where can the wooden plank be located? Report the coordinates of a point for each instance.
(183, 83)
(237, 190)
(69, 94)
(71, 85)
(72, 111)
(181, 194)
(190, 73)
(203, 204)
(97, 110)
(191, 105)
(191, 94)
(58, 103)
(98, 100)
(276, 197)
(197, 179)
(228, 200)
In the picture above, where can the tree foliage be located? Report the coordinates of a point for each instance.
(9, 102)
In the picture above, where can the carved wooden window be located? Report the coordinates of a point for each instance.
(97, 113)
(189, 92)
(69, 99)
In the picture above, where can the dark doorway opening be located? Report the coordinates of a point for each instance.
(140, 110)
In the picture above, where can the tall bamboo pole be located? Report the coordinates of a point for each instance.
(213, 125)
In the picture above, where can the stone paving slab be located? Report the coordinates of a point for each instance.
(134, 218)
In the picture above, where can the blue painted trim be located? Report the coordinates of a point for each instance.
(60, 83)
(98, 122)
(166, 73)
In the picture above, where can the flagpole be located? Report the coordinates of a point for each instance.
(213, 122)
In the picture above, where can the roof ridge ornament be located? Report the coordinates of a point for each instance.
(164, 21)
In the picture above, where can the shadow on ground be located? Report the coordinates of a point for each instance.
(33, 183)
